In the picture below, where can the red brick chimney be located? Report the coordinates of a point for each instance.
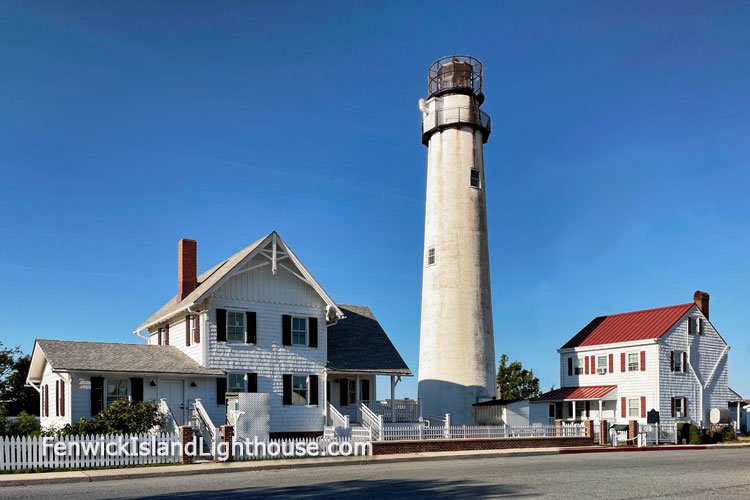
(187, 267)
(701, 300)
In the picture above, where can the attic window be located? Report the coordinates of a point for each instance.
(431, 258)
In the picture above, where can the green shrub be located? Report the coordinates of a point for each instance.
(121, 417)
(23, 425)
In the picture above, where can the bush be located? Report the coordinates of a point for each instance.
(121, 417)
(23, 425)
(692, 435)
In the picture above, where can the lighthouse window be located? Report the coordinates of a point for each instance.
(474, 178)
(430, 256)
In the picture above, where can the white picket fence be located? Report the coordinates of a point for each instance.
(479, 431)
(87, 451)
(288, 448)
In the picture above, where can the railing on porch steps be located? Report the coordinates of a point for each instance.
(204, 426)
(170, 424)
(336, 419)
(371, 421)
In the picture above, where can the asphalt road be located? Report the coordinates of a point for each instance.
(675, 474)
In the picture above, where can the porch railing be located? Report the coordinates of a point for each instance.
(372, 421)
(336, 419)
(205, 426)
(408, 411)
(170, 423)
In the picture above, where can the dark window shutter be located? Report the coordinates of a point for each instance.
(671, 361)
(700, 326)
(684, 361)
(97, 395)
(570, 367)
(221, 325)
(684, 407)
(365, 390)
(57, 398)
(611, 363)
(251, 329)
(187, 330)
(287, 387)
(643, 406)
(622, 362)
(166, 334)
(312, 325)
(252, 382)
(136, 389)
(197, 328)
(46, 400)
(343, 392)
(624, 410)
(328, 391)
(221, 391)
(690, 325)
(160, 340)
(671, 403)
(643, 361)
(286, 330)
(313, 390)
(588, 409)
(62, 398)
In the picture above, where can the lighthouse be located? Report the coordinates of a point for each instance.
(456, 351)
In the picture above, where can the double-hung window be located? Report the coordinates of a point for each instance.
(678, 366)
(601, 365)
(299, 331)
(679, 411)
(299, 389)
(578, 367)
(116, 389)
(634, 407)
(235, 326)
(475, 181)
(633, 362)
(235, 382)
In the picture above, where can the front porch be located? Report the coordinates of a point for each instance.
(576, 404)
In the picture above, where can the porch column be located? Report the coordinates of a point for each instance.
(573, 416)
(357, 396)
(393, 398)
(325, 396)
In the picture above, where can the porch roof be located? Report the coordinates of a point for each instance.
(577, 393)
(67, 356)
(358, 343)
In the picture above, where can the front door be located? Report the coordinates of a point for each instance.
(173, 392)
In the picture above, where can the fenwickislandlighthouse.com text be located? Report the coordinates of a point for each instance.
(238, 448)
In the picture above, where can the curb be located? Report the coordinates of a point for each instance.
(31, 479)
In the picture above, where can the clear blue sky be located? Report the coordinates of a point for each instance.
(617, 171)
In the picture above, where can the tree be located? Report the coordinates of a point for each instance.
(14, 397)
(515, 382)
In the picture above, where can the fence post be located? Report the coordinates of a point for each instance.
(558, 427)
(589, 425)
(447, 431)
(227, 433)
(186, 436)
(632, 431)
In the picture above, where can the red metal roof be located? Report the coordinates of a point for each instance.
(569, 393)
(624, 327)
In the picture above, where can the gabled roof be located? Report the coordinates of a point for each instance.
(626, 327)
(570, 393)
(67, 356)
(219, 273)
(359, 344)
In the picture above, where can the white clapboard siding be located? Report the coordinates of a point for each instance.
(28, 452)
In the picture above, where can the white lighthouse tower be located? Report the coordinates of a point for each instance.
(456, 352)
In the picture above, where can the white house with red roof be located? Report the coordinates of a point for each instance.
(620, 367)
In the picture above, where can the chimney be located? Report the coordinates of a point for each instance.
(187, 267)
(701, 300)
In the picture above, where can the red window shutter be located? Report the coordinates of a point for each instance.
(611, 363)
(671, 402)
(700, 326)
(159, 336)
(57, 398)
(684, 361)
(62, 398)
(46, 400)
(166, 334)
(187, 330)
(624, 409)
(197, 320)
(671, 361)
(643, 406)
(643, 361)
(593, 365)
(622, 361)
(587, 365)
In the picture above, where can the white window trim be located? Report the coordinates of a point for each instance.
(637, 361)
(244, 326)
(678, 358)
(602, 370)
(681, 412)
(307, 332)
(638, 409)
(307, 389)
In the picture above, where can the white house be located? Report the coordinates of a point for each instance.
(620, 367)
(256, 322)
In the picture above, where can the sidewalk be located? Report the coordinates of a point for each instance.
(261, 465)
